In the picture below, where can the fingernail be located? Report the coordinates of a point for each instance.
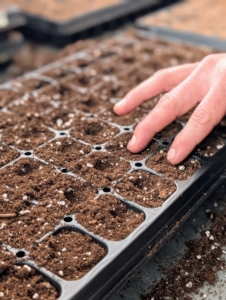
(121, 103)
(132, 142)
(171, 154)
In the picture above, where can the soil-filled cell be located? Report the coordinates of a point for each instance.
(169, 132)
(145, 188)
(118, 146)
(86, 79)
(60, 93)
(30, 85)
(130, 119)
(92, 130)
(108, 217)
(63, 152)
(29, 105)
(68, 254)
(28, 133)
(6, 120)
(7, 96)
(209, 147)
(101, 168)
(7, 155)
(60, 118)
(183, 171)
(59, 72)
(23, 282)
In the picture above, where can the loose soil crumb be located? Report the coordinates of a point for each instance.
(68, 254)
(7, 96)
(199, 263)
(209, 147)
(92, 130)
(109, 217)
(126, 120)
(101, 168)
(118, 146)
(27, 134)
(169, 132)
(185, 170)
(23, 282)
(6, 259)
(7, 155)
(63, 152)
(145, 188)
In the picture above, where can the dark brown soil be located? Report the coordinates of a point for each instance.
(6, 259)
(108, 217)
(126, 120)
(112, 89)
(101, 168)
(23, 282)
(209, 147)
(118, 146)
(60, 92)
(7, 155)
(87, 79)
(185, 170)
(169, 132)
(7, 96)
(81, 63)
(63, 152)
(145, 188)
(59, 72)
(29, 105)
(92, 130)
(199, 263)
(68, 254)
(60, 118)
(30, 85)
(27, 134)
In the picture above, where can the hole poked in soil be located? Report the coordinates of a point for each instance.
(87, 79)
(169, 132)
(23, 282)
(7, 155)
(109, 217)
(145, 189)
(30, 85)
(92, 130)
(63, 152)
(101, 168)
(134, 117)
(209, 147)
(72, 254)
(7, 96)
(28, 133)
(59, 72)
(118, 146)
(185, 170)
(60, 92)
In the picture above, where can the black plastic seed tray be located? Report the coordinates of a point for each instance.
(10, 46)
(10, 19)
(170, 34)
(62, 32)
(121, 256)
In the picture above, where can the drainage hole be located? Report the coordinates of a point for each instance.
(165, 143)
(138, 164)
(62, 133)
(68, 219)
(64, 170)
(126, 128)
(28, 153)
(106, 190)
(98, 148)
(20, 254)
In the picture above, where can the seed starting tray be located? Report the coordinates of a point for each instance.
(11, 19)
(61, 32)
(171, 34)
(10, 46)
(30, 98)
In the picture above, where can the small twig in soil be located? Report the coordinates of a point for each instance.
(2, 216)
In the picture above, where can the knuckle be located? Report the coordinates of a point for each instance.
(209, 59)
(167, 101)
(161, 74)
(202, 116)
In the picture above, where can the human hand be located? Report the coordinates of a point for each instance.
(202, 83)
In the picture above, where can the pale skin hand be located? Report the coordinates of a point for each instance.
(202, 84)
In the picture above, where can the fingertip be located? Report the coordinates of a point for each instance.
(118, 108)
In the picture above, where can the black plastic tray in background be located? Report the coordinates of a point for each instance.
(90, 24)
(10, 46)
(13, 19)
(175, 35)
(126, 255)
